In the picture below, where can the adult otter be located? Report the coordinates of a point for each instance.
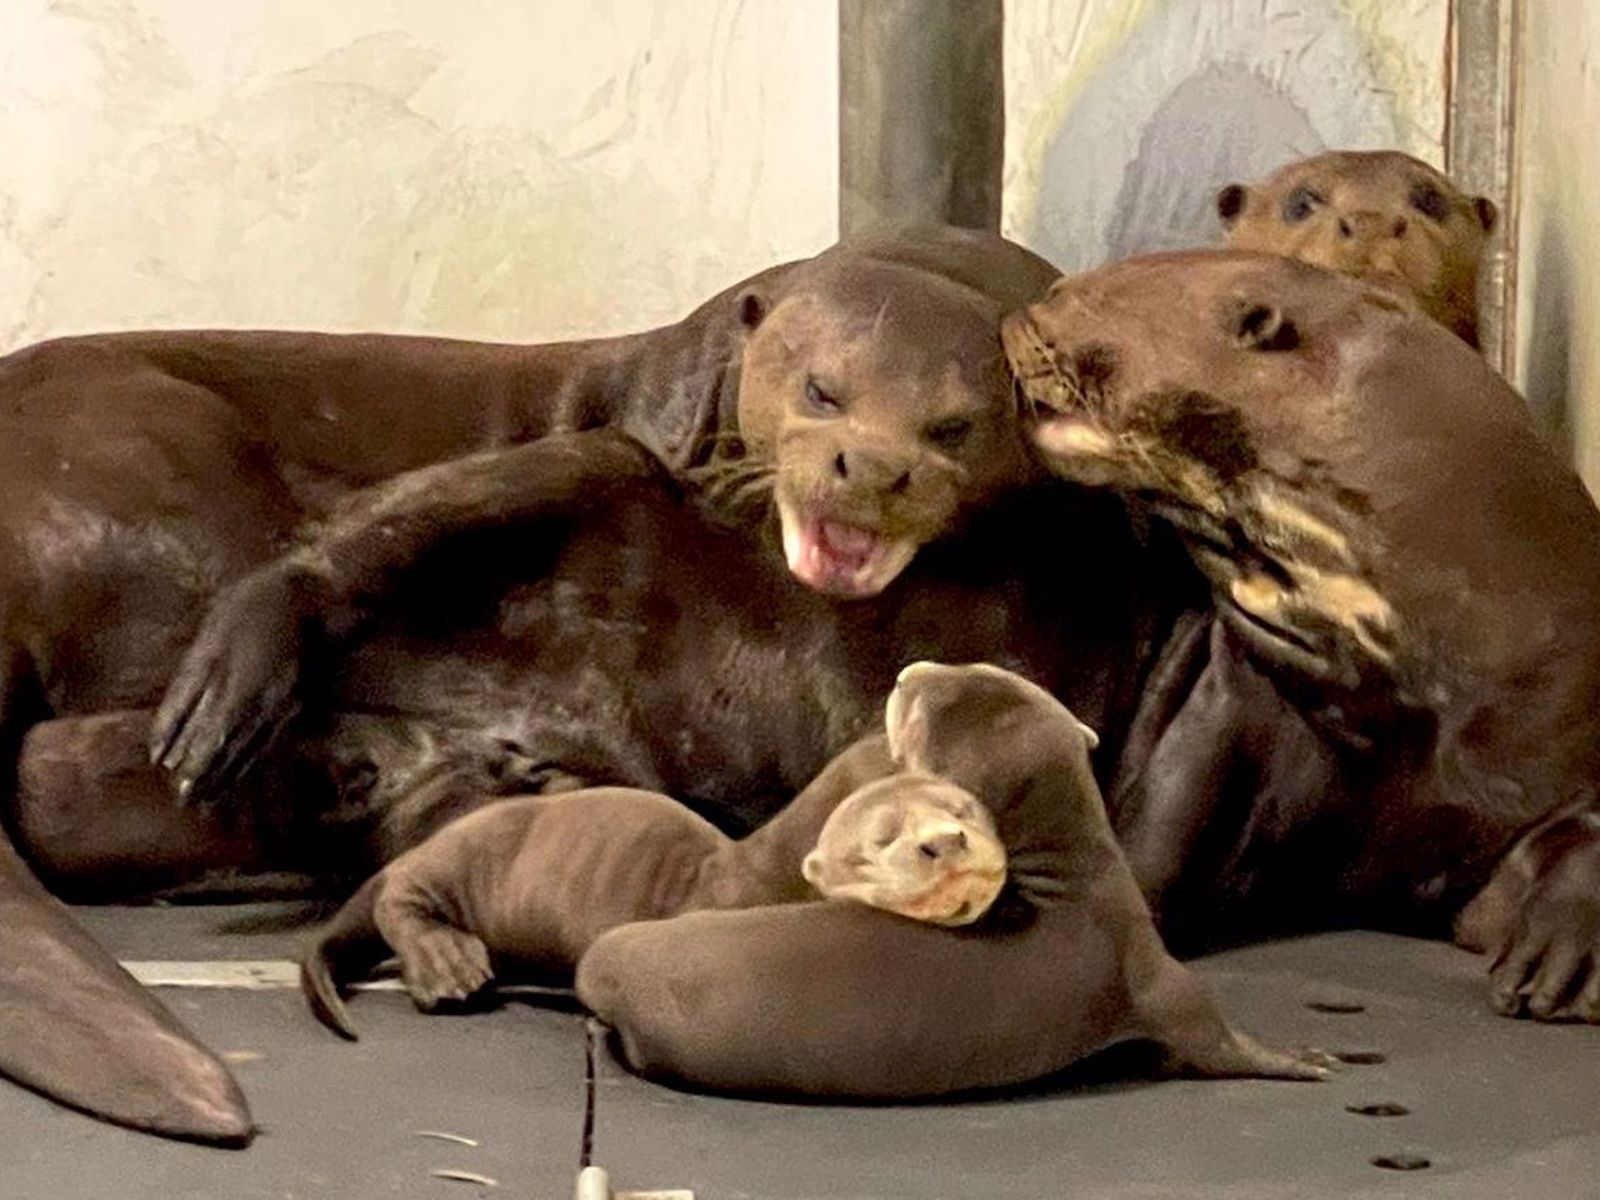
(645, 642)
(649, 646)
(1378, 215)
(1388, 539)
(531, 881)
(835, 999)
(139, 473)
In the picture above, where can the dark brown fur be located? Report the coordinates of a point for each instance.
(140, 473)
(1442, 636)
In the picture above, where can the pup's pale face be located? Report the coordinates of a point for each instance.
(912, 845)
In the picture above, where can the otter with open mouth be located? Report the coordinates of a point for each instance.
(143, 474)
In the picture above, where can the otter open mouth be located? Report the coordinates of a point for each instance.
(839, 558)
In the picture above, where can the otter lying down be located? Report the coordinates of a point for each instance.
(713, 968)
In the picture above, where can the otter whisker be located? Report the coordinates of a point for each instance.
(737, 489)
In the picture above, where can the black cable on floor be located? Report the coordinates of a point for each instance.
(591, 1040)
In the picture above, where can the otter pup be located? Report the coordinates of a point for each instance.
(535, 879)
(1379, 215)
(839, 1000)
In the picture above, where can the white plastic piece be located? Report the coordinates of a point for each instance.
(593, 1184)
(268, 974)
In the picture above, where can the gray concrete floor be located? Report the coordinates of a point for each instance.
(1497, 1107)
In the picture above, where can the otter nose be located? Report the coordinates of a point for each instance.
(1371, 224)
(943, 844)
(871, 470)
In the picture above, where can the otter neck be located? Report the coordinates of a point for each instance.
(1057, 836)
(764, 868)
(675, 389)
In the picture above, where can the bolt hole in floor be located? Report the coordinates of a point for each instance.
(1401, 1162)
(1383, 1108)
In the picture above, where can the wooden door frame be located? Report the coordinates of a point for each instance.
(1483, 74)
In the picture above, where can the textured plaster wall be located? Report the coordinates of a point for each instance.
(506, 168)
(538, 168)
(1125, 116)
(1558, 272)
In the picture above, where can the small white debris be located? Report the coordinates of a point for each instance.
(443, 1136)
(459, 1176)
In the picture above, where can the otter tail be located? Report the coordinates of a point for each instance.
(349, 947)
(78, 1028)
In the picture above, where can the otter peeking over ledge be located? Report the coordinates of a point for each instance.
(532, 881)
(1377, 215)
(838, 1000)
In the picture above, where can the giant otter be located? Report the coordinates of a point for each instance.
(1378, 215)
(529, 882)
(1390, 543)
(834, 999)
(139, 473)
(647, 641)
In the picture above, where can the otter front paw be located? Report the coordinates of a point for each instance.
(237, 685)
(444, 966)
(1547, 961)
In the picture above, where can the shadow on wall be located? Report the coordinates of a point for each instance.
(1549, 349)
(1203, 93)
(1224, 125)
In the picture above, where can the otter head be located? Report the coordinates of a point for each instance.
(913, 845)
(1378, 215)
(987, 727)
(878, 393)
(1214, 387)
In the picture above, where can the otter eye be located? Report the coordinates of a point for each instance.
(885, 827)
(1429, 201)
(949, 434)
(1299, 204)
(818, 400)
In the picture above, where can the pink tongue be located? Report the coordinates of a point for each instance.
(846, 542)
(828, 555)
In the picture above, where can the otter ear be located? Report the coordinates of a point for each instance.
(752, 307)
(1231, 201)
(812, 870)
(1264, 327)
(1089, 735)
(1488, 214)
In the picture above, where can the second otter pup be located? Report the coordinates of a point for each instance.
(832, 999)
(534, 880)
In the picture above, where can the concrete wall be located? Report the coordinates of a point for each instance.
(1558, 292)
(503, 168)
(1124, 117)
(536, 168)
